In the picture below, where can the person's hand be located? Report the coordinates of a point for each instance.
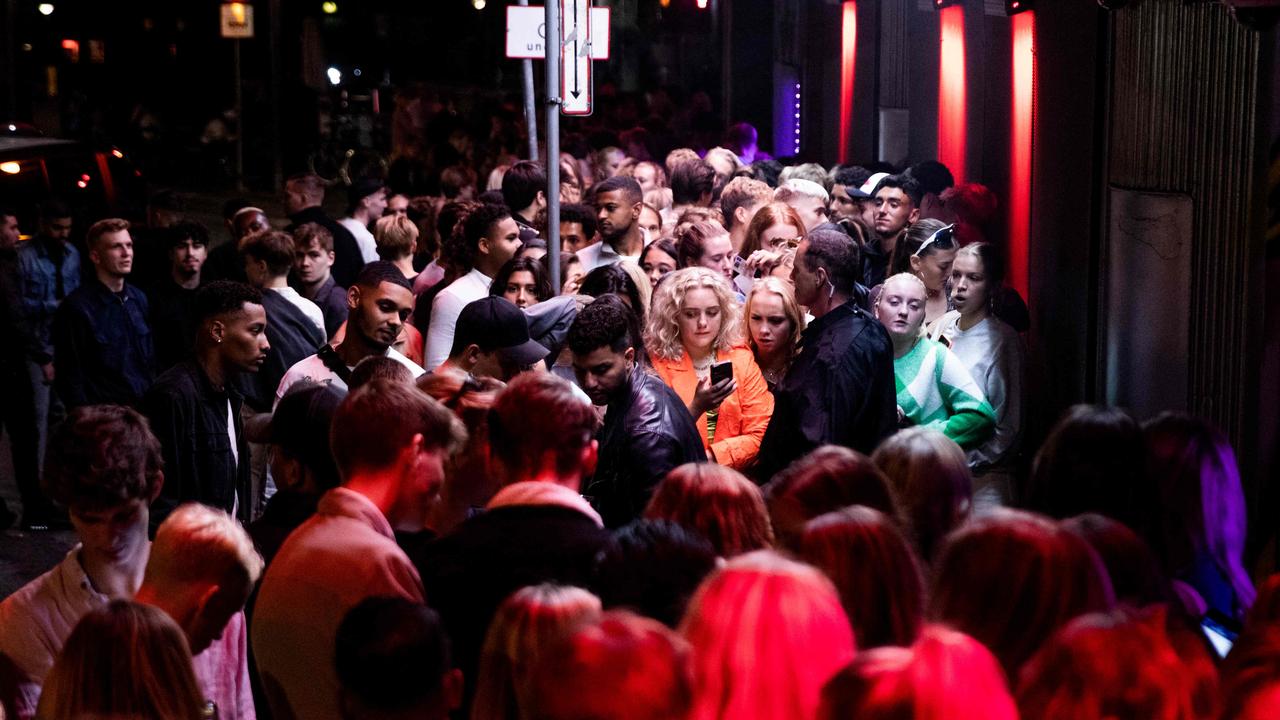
(762, 262)
(709, 396)
(47, 369)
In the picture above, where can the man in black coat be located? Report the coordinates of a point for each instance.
(647, 430)
(303, 195)
(536, 529)
(840, 389)
(194, 409)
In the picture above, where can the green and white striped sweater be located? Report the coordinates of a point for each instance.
(936, 391)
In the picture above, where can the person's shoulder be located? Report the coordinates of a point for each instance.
(400, 358)
(741, 355)
(178, 380)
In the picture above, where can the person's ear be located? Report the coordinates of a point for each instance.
(218, 331)
(915, 261)
(206, 598)
(590, 456)
(629, 356)
(451, 688)
(332, 256)
(353, 297)
(740, 218)
(482, 247)
(540, 199)
(822, 277)
(914, 217)
(636, 210)
(471, 356)
(155, 489)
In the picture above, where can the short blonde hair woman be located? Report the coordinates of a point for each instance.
(525, 625)
(695, 322)
(767, 633)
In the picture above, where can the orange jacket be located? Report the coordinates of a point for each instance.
(743, 416)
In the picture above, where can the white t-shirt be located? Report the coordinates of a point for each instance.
(313, 368)
(364, 238)
(445, 311)
(308, 308)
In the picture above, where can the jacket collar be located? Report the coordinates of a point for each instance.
(544, 494)
(341, 502)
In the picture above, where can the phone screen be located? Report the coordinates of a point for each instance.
(721, 371)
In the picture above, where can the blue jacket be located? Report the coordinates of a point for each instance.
(38, 286)
(103, 351)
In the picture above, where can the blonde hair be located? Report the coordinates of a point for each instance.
(790, 308)
(725, 154)
(717, 502)
(524, 626)
(662, 333)
(677, 157)
(767, 634)
(123, 660)
(396, 237)
(197, 542)
(932, 481)
(884, 290)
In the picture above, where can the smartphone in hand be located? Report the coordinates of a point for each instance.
(721, 371)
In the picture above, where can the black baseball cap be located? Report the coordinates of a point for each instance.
(361, 189)
(495, 324)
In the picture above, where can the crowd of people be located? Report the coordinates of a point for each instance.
(759, 455)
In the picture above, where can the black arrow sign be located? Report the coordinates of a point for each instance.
(575, 50)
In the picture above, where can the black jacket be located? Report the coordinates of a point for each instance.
(189, 417)
(839, 390)
(173, 323)
(102, 344)
(647, 432)
(293, 337)
(332, 301)
(469, 572)
(347, 260)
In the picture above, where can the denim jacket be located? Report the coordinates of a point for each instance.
(37, 280)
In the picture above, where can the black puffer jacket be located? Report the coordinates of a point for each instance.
(646, 433)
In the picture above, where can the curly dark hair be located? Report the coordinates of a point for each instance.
(475, 226)
(605, 322)
(100, 457)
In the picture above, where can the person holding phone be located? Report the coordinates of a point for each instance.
(695, 343)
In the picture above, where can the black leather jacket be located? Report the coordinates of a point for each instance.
(647, 432)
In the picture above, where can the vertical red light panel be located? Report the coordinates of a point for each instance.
(951, 96)
(1024, 43)
(848, 47)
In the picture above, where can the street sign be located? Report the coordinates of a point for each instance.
(575, 57)
(237, 21)
(526, 31)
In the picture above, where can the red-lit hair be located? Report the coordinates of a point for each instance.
(717, 502)
(827, 479)
(1011, 578)
(874, 570)
(767, 633)
(945, 675)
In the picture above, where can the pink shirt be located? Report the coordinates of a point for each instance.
(343, 554)
(223, 672)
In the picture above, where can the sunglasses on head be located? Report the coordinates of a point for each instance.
(942, 236)
(790, 243)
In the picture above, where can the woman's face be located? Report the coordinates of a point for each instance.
(969, 289)
(901, 308)
(934, 268)
(521, 289)
(768, 323)
(699, 320)
(656, 265)
(780, 236)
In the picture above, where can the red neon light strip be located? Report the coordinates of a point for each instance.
(1024, 41)
(848, 46)
(951, 92)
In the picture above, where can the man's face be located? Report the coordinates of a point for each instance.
(249, 223)
(295, 199)
(502, 242)
(113, 535)
(244, 337)
(717, 256)
(376, 203)
(8, 231)
(901, 308)
(808, 283)
(57, 228)
(894, 211)
(842, 206)
(614, 215)
(312, 263)
(113, 253)
(397, 205)
(651, 222)
(378, 313)
(811, 211)
(647, 176)
(602, 372)
(188, 256)
(572, 237)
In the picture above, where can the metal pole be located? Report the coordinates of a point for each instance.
(530, 104)
(274, 52)
(239, 117)
(552, 47)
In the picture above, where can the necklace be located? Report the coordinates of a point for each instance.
(704, 364)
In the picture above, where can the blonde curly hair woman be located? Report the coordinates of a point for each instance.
(696, 322)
